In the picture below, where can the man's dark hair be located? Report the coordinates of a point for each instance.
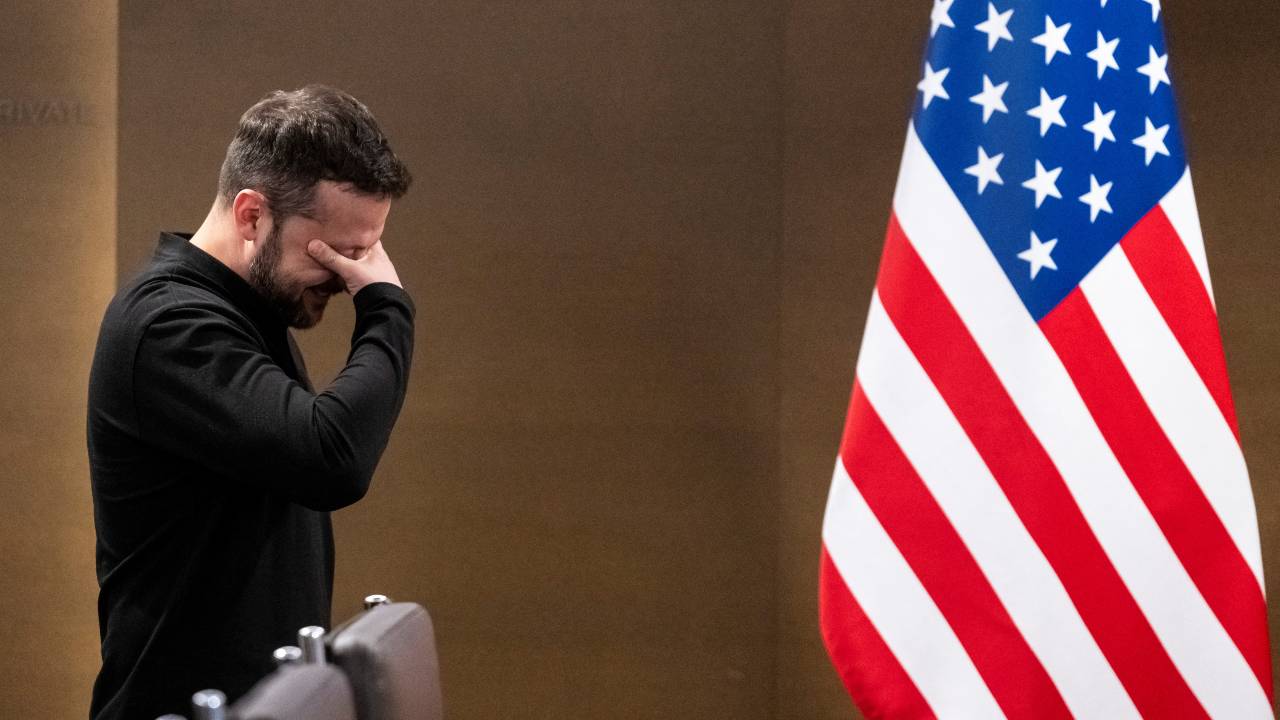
(289, 141)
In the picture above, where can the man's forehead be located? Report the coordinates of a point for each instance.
(355, 215)
(342, 195)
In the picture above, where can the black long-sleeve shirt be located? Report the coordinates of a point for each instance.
(214, 466)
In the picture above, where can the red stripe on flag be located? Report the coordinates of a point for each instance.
(1170, 277)
(939, 558)
(935, 333)
(1194, 531)
(874, 677)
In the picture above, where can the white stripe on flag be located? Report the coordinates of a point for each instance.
(898, 606)
(1180, 207)
(1176, 396)
(932, 439)
(959, 259)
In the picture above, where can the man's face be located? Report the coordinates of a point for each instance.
(284, 273)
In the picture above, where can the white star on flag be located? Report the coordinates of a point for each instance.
(996, 26)
(1053, 39)
(1039, 254)
(1104, 54)
(1048, 112)
(1096, 198)
(1045, 183)
(940, 16)
(1153, 140)
(931, 85)
(1100, 126)
(991, 98)
(986, 169)
(1155, 9)
(1156, 69)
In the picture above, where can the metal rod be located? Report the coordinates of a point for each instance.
(209, 705)
(287, 655)
(311, 640)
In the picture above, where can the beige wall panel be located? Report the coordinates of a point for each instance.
(581, 484)
(57, 208)
(851, 70)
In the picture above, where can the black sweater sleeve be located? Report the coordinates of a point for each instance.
(206, 391)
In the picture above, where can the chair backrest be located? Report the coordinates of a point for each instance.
(298, 692)
(389, 653)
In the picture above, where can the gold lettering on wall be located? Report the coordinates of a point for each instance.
(35, 112)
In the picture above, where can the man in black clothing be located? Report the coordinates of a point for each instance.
(214, 462)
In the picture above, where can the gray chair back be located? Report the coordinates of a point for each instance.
(389, 653)
(298, 692)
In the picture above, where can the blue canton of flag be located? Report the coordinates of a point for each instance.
(1055, 128)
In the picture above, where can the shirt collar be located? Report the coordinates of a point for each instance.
(176, 247)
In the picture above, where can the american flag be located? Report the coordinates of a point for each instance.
(1040, 508)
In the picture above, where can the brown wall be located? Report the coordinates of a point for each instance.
(581, 485)
(851, 68)
(642, 242)
(57, 224)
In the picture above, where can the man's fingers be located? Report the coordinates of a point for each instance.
(374, 266)
(324, 254)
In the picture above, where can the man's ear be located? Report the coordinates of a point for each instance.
(249, 213)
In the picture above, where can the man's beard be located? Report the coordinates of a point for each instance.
(264, 276)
